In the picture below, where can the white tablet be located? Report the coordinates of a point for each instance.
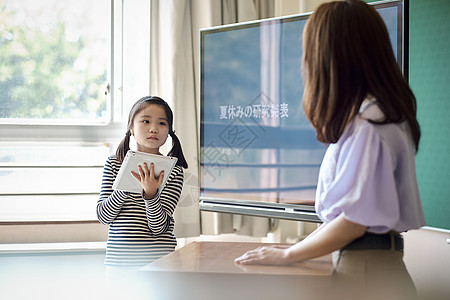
(125, 180)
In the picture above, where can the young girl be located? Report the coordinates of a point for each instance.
(141, 225)
(359, 103)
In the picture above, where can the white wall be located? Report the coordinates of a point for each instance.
(427, 257)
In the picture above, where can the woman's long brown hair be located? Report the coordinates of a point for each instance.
(347, 56)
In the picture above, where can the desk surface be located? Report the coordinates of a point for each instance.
(206, 270)
(218, 258)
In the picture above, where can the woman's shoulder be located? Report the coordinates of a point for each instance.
(370, 121)
(357, 128)
(371, 111)
(366, 134)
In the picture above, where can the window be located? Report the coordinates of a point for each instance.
(65, 72)
(54, 63)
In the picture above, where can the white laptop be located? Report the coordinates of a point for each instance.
(125, 180)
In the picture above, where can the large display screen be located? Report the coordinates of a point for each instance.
(257, 146)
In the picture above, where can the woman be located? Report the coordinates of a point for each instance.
(359, 103)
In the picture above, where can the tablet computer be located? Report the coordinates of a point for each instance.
(125, 180)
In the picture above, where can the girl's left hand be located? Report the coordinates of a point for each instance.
(265, 255)
(148, 181)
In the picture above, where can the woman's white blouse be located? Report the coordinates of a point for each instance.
(369, 175)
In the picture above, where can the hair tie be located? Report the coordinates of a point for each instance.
(128, 133)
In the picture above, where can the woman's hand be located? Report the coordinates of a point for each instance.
(265, 255)
(148, 181)
(324, 240)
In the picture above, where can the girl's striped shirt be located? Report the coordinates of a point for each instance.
(140, 231)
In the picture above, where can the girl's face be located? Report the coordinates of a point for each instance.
(150, 128)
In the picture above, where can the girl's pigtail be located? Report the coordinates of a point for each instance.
(123, 147)
(177, 152)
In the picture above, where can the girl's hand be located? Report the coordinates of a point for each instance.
(265, 255)
(148, 181)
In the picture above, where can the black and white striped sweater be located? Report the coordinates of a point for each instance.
(140, 231)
